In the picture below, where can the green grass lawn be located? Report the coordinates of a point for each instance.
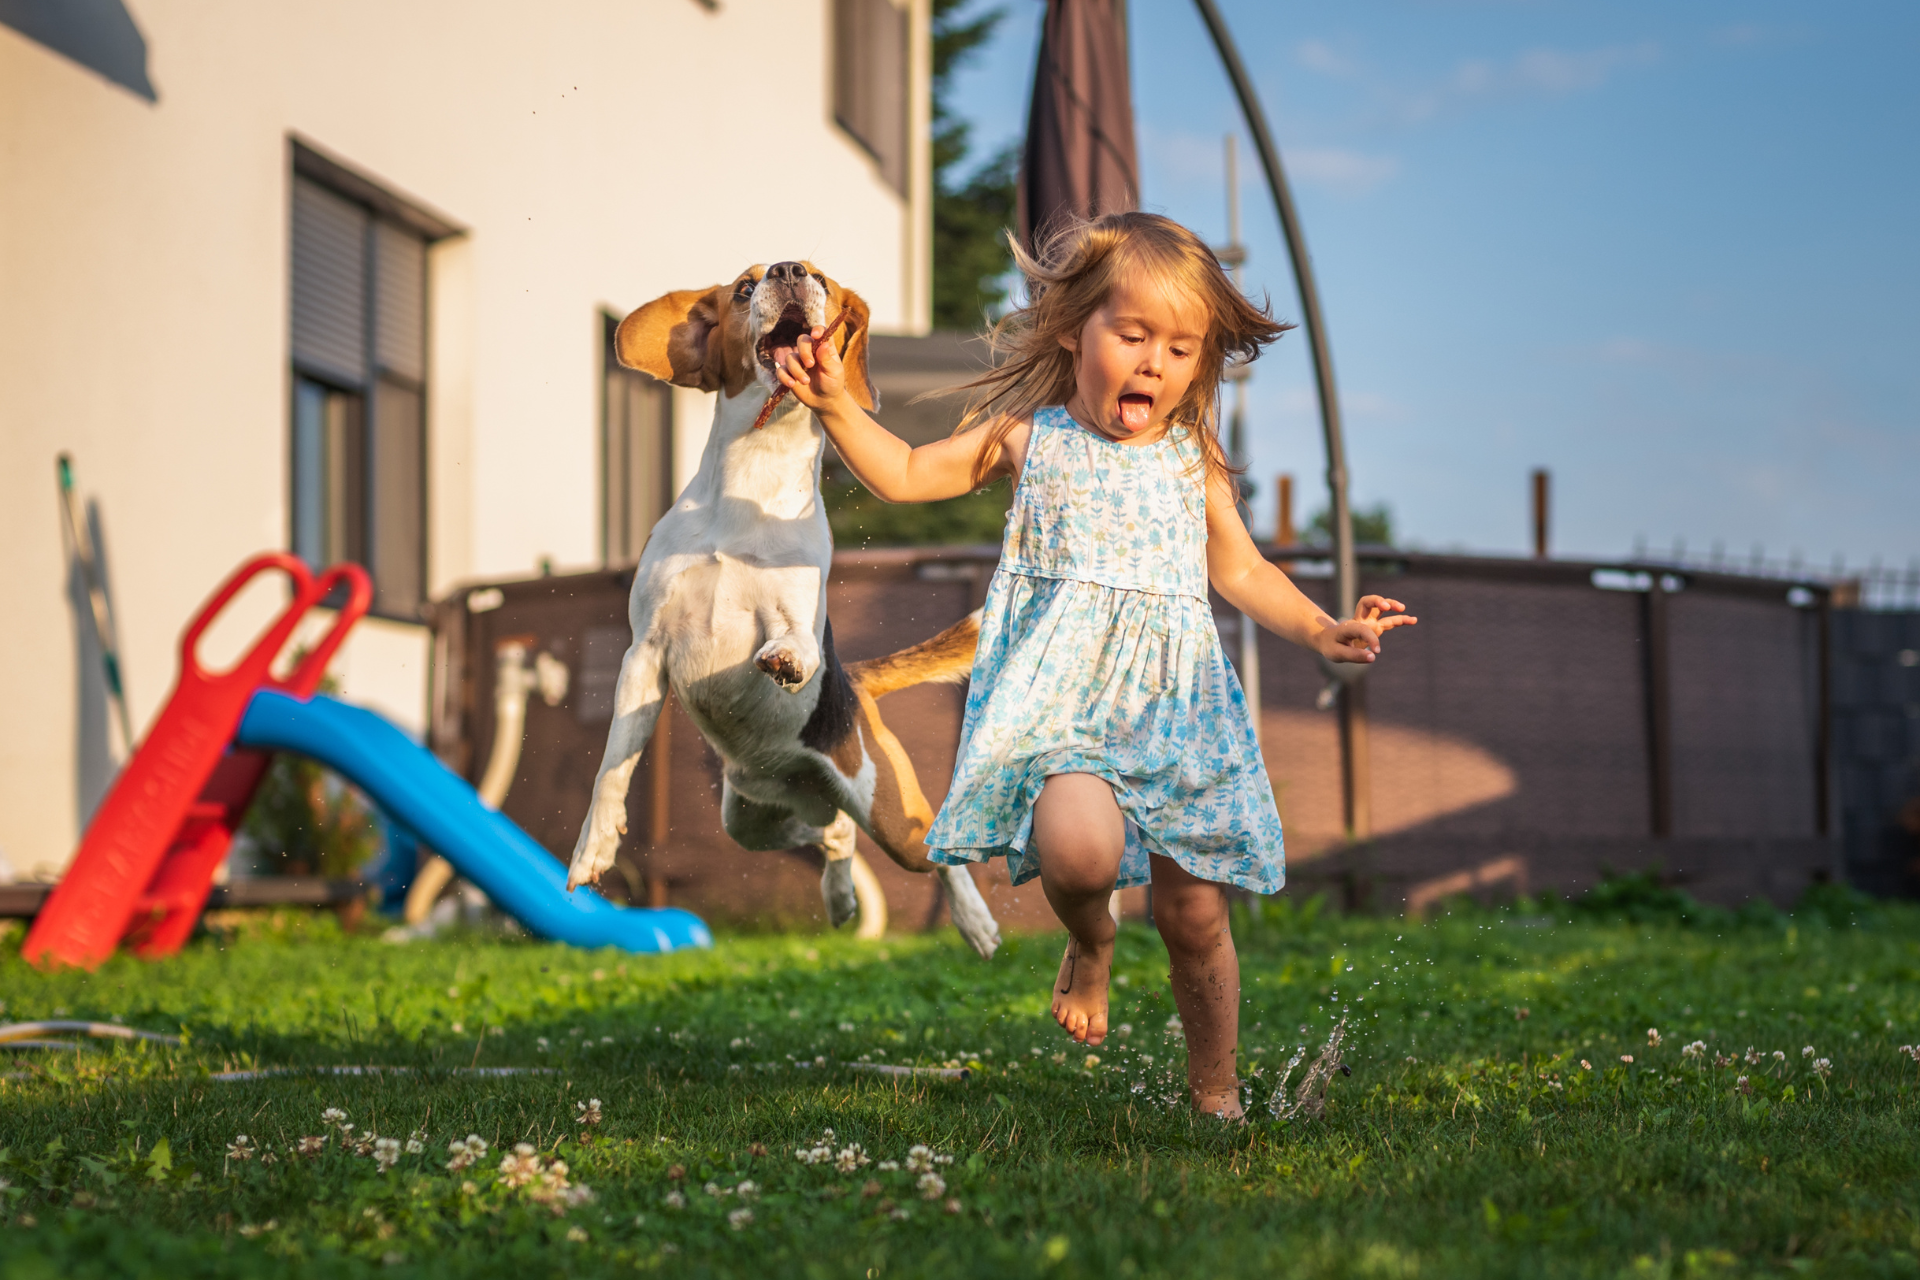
(1471, 1139)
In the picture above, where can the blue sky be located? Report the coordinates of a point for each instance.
(1671, 252)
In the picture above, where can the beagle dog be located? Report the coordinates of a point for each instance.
(729, 608)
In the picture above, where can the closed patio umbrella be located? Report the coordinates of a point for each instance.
(1079, 159)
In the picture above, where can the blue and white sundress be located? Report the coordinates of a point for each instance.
(1098, 654)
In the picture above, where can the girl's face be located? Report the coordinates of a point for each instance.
(1135, 358)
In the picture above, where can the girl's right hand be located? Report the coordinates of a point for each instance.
(1358, 638)
(813, 371)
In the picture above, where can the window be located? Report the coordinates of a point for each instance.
(870, 81)
(636, 454)
(359, 303)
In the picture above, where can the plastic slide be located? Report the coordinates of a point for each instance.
(445, 812)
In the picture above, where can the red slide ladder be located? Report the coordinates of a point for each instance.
(147, 860)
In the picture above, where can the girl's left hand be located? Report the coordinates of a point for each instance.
(1358, 638)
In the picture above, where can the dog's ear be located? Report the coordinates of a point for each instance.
(672, 338)
(853, 352)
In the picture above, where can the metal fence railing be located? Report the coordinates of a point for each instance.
(1876, 585)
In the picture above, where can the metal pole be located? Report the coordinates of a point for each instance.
(1346, 571)
(1236, 258)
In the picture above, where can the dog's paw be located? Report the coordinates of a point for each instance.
(782, 665)
(594, 853)
(838, 892)
(971, 915)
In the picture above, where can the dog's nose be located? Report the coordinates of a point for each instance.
(787, 272)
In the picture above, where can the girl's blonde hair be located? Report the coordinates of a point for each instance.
(1072, 277)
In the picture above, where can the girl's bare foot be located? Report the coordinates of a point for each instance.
(1080, 993)
(1221, 1103)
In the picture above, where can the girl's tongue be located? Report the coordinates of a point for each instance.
(1134, 408)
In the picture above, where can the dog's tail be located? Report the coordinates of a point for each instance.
(944, 659)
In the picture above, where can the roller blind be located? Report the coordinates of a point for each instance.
(329, 282)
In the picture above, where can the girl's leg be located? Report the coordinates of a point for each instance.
(1191, 915)
(1080, 835)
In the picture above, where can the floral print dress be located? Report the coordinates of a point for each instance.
(1098, 654)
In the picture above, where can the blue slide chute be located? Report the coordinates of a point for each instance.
(444, 811)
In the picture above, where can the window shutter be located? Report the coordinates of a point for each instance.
(329, 283)
(400, 302)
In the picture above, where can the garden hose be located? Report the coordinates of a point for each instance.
(513, 680)
(30, 1035)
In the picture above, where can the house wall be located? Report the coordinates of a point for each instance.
(597, 154)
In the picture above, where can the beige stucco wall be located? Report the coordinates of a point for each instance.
(599, 153)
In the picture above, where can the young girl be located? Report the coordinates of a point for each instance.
(1107, 742)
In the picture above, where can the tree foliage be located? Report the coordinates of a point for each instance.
(971, 210)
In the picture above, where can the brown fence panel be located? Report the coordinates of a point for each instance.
(1516, 735)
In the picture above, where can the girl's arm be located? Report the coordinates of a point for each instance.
(882, 461)
(1258, 589)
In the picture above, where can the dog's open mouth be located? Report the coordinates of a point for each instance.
(779, 342)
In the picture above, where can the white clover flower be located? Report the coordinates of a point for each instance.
(540, 1044)
(1585, 1065)
(1751, 1056)
(332, 1115)
(738, 1042)
(747, 1190)
(311, 1146)
(919, 1158)
(1823, 1067)
(465, 1153)
(739, 1219)
(1146, 1059)
(1779, 1056)
(1694, 1050)
(575, 1196)
(1036, 1051)
(888, 1166)
(519, 1166)
(1174, 1024)
(1743, 1084)
(931, 1186)
(1807, 1052)
(1627, 1058)
(589, 1111)
(847, 1026)
(943, 1159)
(715, 1190)
(386, 1152)
(674, 1200)
(1060, 1059)
(1653, 1038)
(850, 1158)
(1093, 1060)
(241, 1148)
(577, 1235)
(253, 1229)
